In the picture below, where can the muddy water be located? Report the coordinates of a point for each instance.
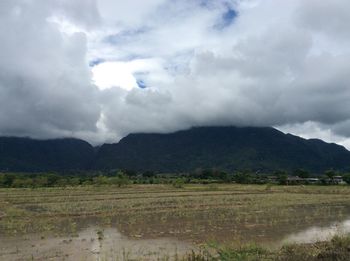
(316, 233)
(159, 237)
(266, 228)
(92, 244)
(100, 244)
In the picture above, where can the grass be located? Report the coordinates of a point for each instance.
(337, 249)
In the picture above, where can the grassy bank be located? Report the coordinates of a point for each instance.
(337, 249)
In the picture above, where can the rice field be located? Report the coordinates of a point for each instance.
(156, 222)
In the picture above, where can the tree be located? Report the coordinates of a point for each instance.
(302, 173)
(41, 181)
(324, 180)
(130, 173)
(74, 181)
(207, 173)
(178, 183)
(52, 179)
(22, 183)
(121, 179)
(7, 180)
(330, 173)
(242, 178)
(282, 179)
(62, 182)
(148, 174)
(346, 178)
(100, 180)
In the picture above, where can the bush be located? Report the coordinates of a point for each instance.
(121, 179)
(178, 183)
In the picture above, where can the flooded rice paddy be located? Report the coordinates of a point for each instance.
(162, 223)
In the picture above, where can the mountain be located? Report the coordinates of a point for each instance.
(24, 154)
(226, 148)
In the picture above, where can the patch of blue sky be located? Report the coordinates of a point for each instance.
(141, 83)
(214, 4)
(226, 19)
(95, 62)
(204, 3)
(125, 36)
(141, 79)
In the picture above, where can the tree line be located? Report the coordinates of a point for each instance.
(124, 177)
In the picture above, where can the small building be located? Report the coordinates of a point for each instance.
(272, 179)
(338, 180)
(295, 180)
(312, 180)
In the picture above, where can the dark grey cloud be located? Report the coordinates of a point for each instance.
(45, 88)
(270, 62)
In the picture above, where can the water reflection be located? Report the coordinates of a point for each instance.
(315, 233)
(92, 244)
(101, 243)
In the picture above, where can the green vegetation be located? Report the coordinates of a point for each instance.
(337, 249)
(123, 178)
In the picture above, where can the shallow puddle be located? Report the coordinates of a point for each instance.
(315, 233)
(268, 229)
(92, 244)
(103, 244)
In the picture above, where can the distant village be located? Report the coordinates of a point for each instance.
(296, 180)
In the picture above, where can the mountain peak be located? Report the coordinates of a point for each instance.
(229, 148)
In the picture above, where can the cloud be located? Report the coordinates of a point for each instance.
(45, 88)
(129, 74)
(328, 18)
(75, 69)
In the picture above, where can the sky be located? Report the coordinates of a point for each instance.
(101, 69)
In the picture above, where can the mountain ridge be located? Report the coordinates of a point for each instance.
(237, 148)
(27, 154)
(228, 148)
